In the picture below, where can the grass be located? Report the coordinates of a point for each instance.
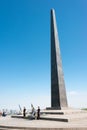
(84, 109)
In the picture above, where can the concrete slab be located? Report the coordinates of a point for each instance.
(64, 111)
(66, 118)
(64, 115)
(59, 115)
(20, 123)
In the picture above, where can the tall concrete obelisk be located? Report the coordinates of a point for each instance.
(58, 92)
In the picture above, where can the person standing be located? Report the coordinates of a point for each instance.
(38, 113)
(24, 112)
(33, 111)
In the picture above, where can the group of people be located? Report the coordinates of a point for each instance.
(34, 113)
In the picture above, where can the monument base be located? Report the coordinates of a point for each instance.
(57, 108)
(64, 115)
(53, 108)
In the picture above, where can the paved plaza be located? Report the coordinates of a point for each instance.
(20, 123)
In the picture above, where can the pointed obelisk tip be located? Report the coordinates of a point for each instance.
(52, 10)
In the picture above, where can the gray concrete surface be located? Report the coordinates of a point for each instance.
(20, 123)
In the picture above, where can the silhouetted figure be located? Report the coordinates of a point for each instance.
(38, 113)
(33, 112)
(24, 112)
(4, 113)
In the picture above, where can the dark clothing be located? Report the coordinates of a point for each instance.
(3, 114)
(24, 112)
(38, 113)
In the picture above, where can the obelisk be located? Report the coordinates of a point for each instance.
(58, 91)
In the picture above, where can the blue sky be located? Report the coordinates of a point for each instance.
(25, 51)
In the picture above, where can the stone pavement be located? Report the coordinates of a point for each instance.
(66, 115)
(7, 123)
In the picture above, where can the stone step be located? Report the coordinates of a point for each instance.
(8, 123)
(54, 119)
(21, 116)
(64, 118)
(52, 112)
(63, 112)
(58, 115)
